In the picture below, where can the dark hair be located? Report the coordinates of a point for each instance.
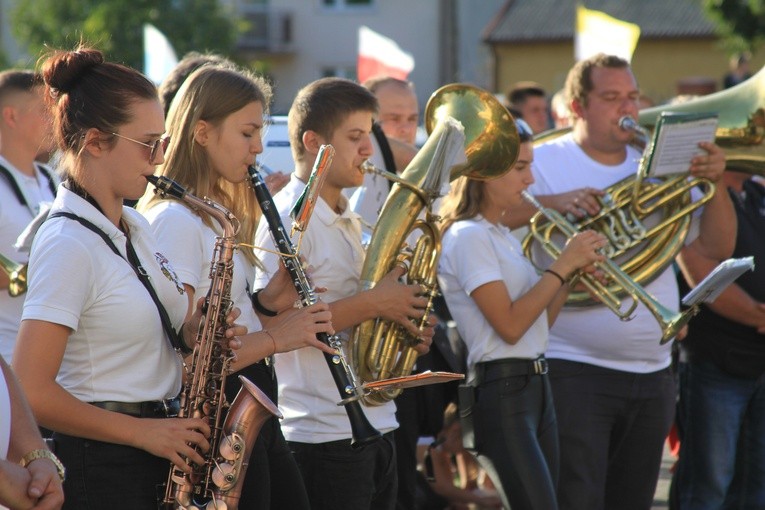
(86, 92)
(521, 91)
(188, 64)
(18, 80)
(579, 79)
(322, 106)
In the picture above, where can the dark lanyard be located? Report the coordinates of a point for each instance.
(15, 186)
(132, 258)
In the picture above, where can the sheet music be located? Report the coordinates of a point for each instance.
(716, 281)
(677, 142)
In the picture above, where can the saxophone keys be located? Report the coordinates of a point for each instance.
(231, 447)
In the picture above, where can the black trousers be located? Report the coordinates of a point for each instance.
(339, 477)
(516, 440)
(105, 475)
(612, 429)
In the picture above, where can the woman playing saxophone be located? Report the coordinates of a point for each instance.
(93, 355)
(215, 124)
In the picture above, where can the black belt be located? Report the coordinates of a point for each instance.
(168, 408)
(488, 371)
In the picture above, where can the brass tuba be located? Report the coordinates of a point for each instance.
(647, 219)
(17, 274)
(381, 349)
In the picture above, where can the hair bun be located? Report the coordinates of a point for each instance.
(64, 69)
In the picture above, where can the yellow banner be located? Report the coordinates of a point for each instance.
(597, 32)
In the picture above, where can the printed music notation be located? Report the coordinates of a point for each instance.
(676, 141)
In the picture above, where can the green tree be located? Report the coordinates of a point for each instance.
(740, 23)
(116, 26)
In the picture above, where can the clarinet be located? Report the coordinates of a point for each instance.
(362, 431)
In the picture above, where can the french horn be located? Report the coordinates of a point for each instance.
(382, 349)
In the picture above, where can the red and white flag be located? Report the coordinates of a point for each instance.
(380, 55)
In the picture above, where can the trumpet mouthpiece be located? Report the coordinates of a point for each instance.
(627, 123)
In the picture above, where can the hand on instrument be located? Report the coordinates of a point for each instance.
(399, 302)
(174, 439)
(297, 327)
(710, 165)
(426, 337)
(579, 202)
(233, 330)
(581, 251)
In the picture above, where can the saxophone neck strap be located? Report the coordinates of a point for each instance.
(176, 340)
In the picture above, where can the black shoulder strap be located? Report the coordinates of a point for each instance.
(172, 335)
(47, 173)
(385, 150)
(15, 187)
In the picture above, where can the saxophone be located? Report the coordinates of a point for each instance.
(217, 484)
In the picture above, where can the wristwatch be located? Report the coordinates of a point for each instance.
(44, 453)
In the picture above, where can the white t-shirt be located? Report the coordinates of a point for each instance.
(14, 217)
(184, 237)
(308, 395)
(594, 334)
(476, 252)
(117, 349)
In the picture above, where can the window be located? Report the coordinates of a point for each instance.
(348, 72)
(347, 4)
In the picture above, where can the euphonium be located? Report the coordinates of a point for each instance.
(382, 349)
(669, 321)
(217, 484)
(17, 274)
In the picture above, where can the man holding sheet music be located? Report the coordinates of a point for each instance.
(613, 390)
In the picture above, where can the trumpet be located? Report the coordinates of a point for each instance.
(669, 322)
(17, 274)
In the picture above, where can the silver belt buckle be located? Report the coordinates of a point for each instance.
(540, 366)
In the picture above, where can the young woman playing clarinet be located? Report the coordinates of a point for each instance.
(503, 309)
(215, 125)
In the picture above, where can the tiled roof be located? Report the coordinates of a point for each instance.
(547, 20)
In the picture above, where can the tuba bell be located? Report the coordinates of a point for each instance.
(381, 349)
(646, 220)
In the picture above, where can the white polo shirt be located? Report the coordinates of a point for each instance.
(476, 252)
(189, 243)
(14, 217)
(117, 349)
(308, 395)
(594, 334)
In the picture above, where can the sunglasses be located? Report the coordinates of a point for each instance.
(163, 142)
